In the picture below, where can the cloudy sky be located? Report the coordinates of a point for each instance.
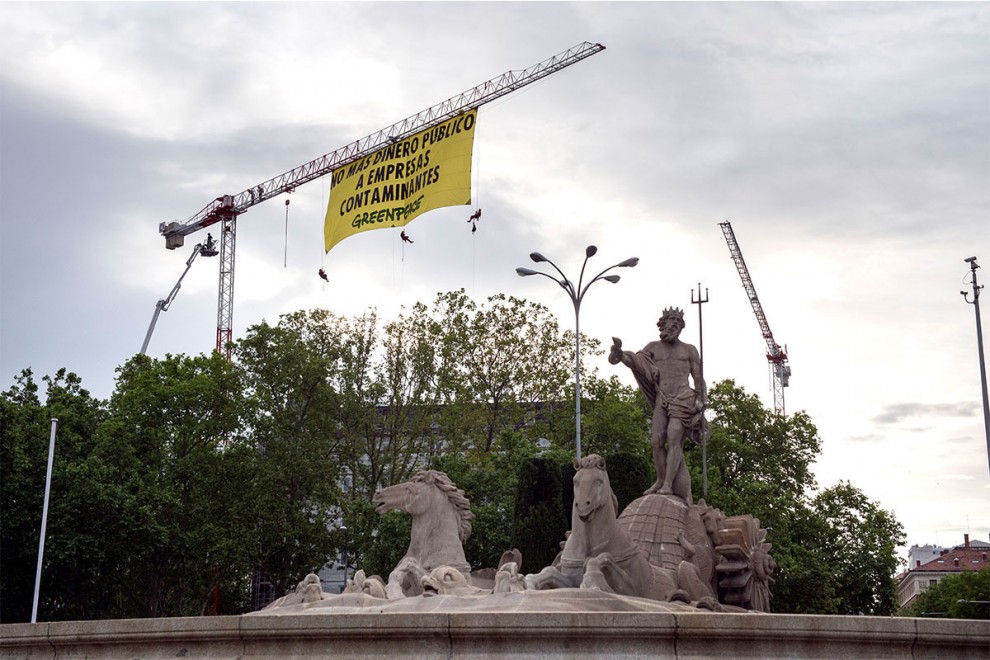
(848, 144)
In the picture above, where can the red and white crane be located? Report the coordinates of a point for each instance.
(776, 356)
(226, 208)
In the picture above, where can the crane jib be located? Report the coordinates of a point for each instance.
(228, 206)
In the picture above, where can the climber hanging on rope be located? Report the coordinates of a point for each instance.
(405, 239)
(323, 274)
(475, 217)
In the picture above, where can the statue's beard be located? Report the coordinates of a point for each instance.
(669, 335)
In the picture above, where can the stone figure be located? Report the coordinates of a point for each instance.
(661, 370)
(447, 580)
(599, 554)
(362, 584)
(508, 579)
(441, 519)
(746, 567)
(309, 590)
(661, 548)
(406, 579)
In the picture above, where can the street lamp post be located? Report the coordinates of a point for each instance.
(576, 294)
(343, 555)
(979, 345)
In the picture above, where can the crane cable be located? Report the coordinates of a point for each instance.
(477, 203)
(325, 199)
(285, 252)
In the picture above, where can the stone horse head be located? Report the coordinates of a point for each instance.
(441, 518)
(593, 494)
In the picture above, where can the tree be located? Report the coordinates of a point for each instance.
(962, 595)
(82, 508)
(633, 475)
(540, 517)
(310, 401)
(490, 482)
(171, 444)
(750, 446)
(86, 508)
(861, 540)
(23, 451)
(835, 550)
(614, 419)
(510, 353)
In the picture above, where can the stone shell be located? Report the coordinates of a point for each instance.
(654, 523)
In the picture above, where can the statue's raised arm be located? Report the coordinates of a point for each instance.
(617, 355)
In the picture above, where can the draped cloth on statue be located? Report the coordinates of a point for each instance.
(680, 406)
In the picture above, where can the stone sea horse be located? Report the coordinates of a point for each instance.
(599, 554)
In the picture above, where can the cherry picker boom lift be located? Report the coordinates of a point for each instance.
(226, 208)
(208, 250)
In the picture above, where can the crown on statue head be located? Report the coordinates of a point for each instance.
(675, 312)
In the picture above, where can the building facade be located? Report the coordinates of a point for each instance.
(922, 574)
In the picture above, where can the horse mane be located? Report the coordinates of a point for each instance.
(454, 495)
(591, 461)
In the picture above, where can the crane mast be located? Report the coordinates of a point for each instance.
(226, 208)
(776, 356)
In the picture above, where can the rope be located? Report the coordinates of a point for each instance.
(477, 204)
(285, 253)
(324, 195)
(326, 201)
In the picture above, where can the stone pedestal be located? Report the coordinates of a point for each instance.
(517, 634)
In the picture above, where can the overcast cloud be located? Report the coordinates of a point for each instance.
(848, 144)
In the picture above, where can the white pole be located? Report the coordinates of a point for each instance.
(44, 522)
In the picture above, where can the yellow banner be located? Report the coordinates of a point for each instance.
(397, 183)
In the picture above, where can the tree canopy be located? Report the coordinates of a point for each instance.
(835, 549)
(962, 595)
(199, 473)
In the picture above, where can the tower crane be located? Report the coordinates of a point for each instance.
(226, 208)
(776, 356)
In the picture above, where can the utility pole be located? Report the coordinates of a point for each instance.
(701, 351)
(979, 345)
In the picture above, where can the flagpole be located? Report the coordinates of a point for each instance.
(44, 521)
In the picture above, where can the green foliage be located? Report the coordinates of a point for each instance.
(83, 506)
(489, 481)
(629, 475)
(24, 432)
(184, 483)
(541, 519)
(614, 419)
(495, 359)
(373, 542)
(835, 550)
(962, 595)
(861, 540)
(200, 472)
(751, 447)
